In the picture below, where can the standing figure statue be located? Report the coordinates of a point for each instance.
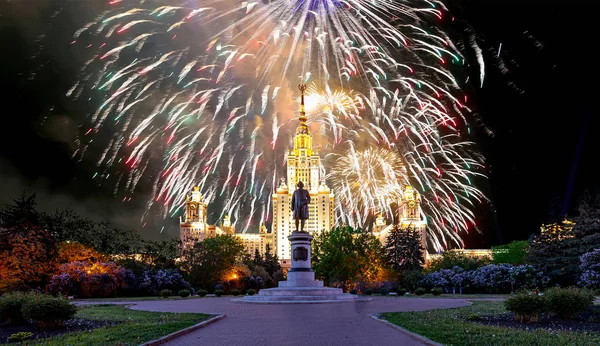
(300, 201)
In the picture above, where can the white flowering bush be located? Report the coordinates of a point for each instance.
(491, 278)
(590, 269)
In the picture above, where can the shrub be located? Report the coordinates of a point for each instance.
(202, 293)
(219, 293)
(420, 291)
(401, 291)
(155, 281)
(10, 307)
(47, 311)
(568, 302)
(184, 293)
(255, 282)
(20, 336)
(166, 293)
(235, 292)
(368, 291)
(251, 292)
(590, 269)
(436, 291)
(88, 280)
(492, 278)
(353, 291)
(526, 306)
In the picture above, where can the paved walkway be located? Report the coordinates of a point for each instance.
(297, 324)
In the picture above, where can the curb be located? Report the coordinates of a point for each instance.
(406, 331)
(184, 331)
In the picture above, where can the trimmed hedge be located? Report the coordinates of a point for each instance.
(47, 311)
(526, 306)
(166, 293)
(568, 302)
(436, 291)
(10, 307)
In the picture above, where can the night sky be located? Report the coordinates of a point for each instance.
(541, 107)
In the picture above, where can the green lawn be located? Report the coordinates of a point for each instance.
(462, 296)
(136, 328)
(450, 327)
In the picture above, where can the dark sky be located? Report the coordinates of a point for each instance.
(541, 109)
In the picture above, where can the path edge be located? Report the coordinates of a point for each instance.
(376, 316)
(184, 331)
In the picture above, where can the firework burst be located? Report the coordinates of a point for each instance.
(201, 95)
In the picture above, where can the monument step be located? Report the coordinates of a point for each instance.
(301, 298)
(301, 291)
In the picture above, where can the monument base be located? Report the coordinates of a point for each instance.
(301, 286)
(301, 295)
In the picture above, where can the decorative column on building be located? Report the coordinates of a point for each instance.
(303, 164)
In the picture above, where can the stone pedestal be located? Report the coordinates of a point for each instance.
(301, 286)
(301, 273)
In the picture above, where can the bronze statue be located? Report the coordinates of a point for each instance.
(300, 201)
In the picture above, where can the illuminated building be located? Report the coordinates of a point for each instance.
(195, 228)
(410, 216)
(303, 164)
(561, 229)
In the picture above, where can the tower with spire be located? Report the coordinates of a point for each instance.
(303, 164)
(194, 227)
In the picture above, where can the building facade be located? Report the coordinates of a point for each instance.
(303, 164)
(410, 216)
(257, 241)
(194, 228)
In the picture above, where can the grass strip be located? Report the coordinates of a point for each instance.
(453, 327)
(134, 328)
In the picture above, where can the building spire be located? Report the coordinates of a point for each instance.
(302, 88)
(302, 139)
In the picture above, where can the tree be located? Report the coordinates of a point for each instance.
(27, 260)
(403, 249)
(257, 259)
(210, 259)
(557, 252)
(450, 259)
(161, 254)
(115, 241)
(21, 215)
(75, 252)
(66, 225)
(27, 250)
(346, 256)
(511, 253)
(271, 262)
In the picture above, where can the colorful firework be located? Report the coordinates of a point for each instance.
(201, 95)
